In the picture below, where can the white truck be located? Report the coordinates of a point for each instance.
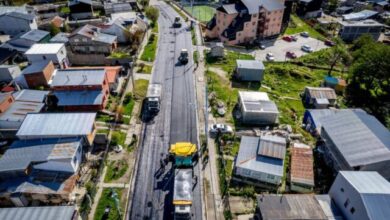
(182, 194)
(153, 98)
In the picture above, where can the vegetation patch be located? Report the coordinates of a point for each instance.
(104, 117)
(297, 25)
(202, 13)
(144, 68)
(228, 63)
(118, 138)
(119, 55)
(140, 88)
(149, 52)
(115, 170)
(107, 200)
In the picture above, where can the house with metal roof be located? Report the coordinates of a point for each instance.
(301, 170)
(309, 8)
(9, 72)
(38, 74)
(355, 140)
(58, 125)
(80, 9)
(56, 52)
(361, 195)
(319, 97)
(13, 23)
(23, 102)
(40, 212)
(361, 15)
(81, 89)
(249, 70)
(351, 30)
(256, 108)
(260, 160)
(296, 206)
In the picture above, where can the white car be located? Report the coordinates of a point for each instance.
(270, 57)
(307, 48)
(224, 129)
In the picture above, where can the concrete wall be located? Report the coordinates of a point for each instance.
(259, 118)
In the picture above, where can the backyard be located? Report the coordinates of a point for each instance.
(107, 200)
(202, 13)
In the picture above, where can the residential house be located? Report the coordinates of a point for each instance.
(309, 8)
(312, 119)
(40, 171)
(361, 195)
(249, 70)
(61, 37)
(361, 15)
(39, 74)
(62, 212)
(301, 171)
(7, 55)
(46, 125)
(81, 89)
(319, 97)
(55, 52)
(45, 11)
(381, 6)
(217, 50)
(355, 140)
(260, 160)
(23, 102)
(90, 40)
(256, 108)
(245, 21)
(351, 30)
(295, 206)
(8, 73)
(80, 9)
(24, 41)
(115, 7)
(14, 23)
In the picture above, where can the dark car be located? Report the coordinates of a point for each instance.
(329, 43)
(291, 55)
(287, 38)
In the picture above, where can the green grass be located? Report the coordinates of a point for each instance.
(103, 131)
(140, 89)
(149, 52)
(228, 63)
(297, 25)
(115, 170)
(107, 200)
(155, 28)
(118, 138)
(193, 36)
(228, 168)
(202, 13)
(119, 55)
(104, 118)
(65, 10)
(129, 107)
(196, 56)
(146, 69)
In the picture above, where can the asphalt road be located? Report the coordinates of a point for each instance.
(176, 121)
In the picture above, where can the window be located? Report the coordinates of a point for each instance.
(342, 189)
(346, 203)
(84, 39)
(352, 210)
(44, 57)
(271, 177)
(76, 40)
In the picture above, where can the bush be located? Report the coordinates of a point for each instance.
(127, 98)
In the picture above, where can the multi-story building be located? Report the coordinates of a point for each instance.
(351, 30)
(246, 21)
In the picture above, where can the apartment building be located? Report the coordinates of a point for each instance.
(246, 20)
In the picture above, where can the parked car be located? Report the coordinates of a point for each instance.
(305, 34)
(287, 38)
(329, 43)
(294, 38)
(270, 57)
(224, 129)
(261, 46)
(387, 33)
(291, 55)
(306, 48)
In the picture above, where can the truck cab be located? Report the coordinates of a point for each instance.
(183, 154)
(183, 58)
(153, 98)
(182, 212)
(177, 23)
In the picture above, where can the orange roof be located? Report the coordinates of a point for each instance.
(302, 164)
(57, 21)
(111, 71)
(8, 89)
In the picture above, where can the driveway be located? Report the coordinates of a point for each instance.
(279, 48)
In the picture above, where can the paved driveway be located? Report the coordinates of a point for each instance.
(279, 48)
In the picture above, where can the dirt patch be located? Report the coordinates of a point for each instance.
(129, 157)
(240, 205)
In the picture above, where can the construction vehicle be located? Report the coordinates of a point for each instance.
(183, 58)
(184, 154)
(176, 22)
(153, 98)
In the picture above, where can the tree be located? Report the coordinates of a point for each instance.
(119, 111)
(54, 29)
(152, 13)
(144, 3)
(369, 84)
(364, 40)
(338, 53)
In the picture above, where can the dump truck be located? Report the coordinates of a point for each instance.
(183, 154)
(176, 22)
(182, 193)
(153, 98)
(183, 58)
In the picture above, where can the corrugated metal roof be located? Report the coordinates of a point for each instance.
(183, 185)
(52, 48)
(56, 125)
(94, 33)
(290, 206)
(362, 15)
(60, 38)
(77, 98)
(257, 102)
(78, 77)
(321, 92)
(22, 153)
(29, 95)
(35, 35)
(272, 146)
(302, 164)
(4, 96)
(42, 212)
(17, 112)
(36, 67)
(359, 137)
(248, 158)
(23, 16)
(8, 9)
(250, 64)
